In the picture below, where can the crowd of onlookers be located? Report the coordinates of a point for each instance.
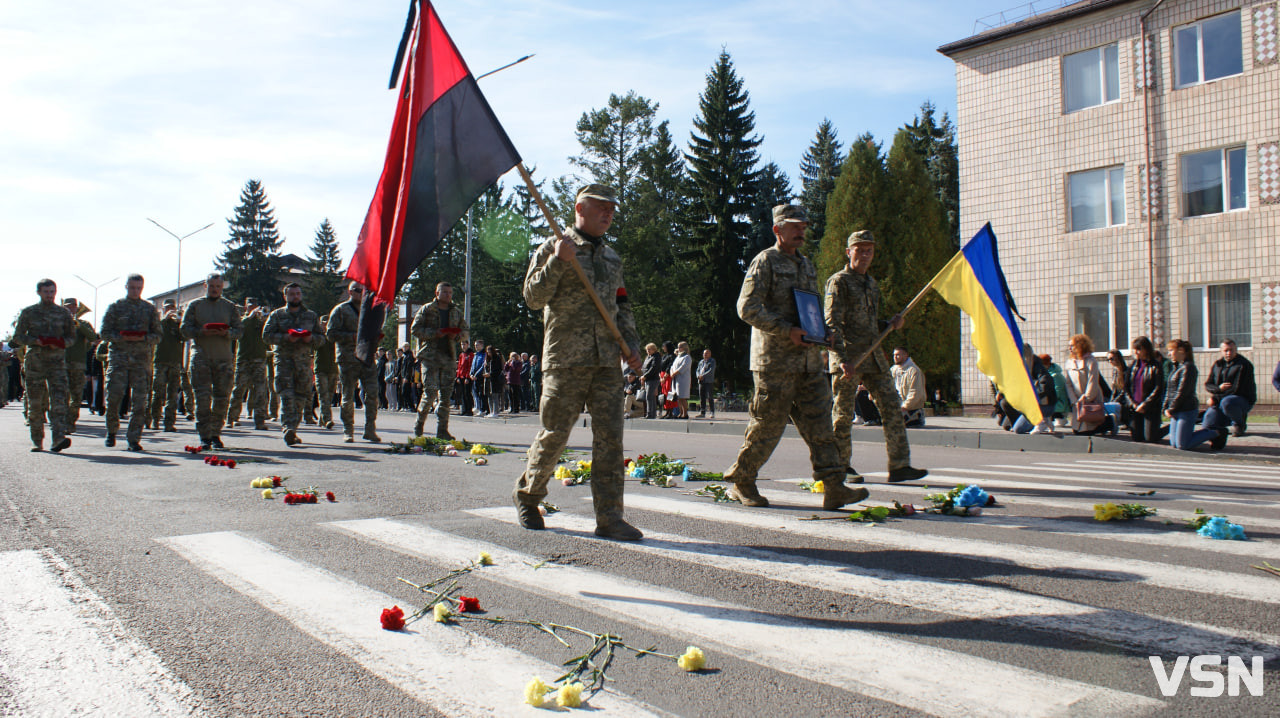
(485, 384)
(1152, 395)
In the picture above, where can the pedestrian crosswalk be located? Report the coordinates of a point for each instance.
(1043, 530)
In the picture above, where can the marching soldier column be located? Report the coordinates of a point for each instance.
(166, 381)
(46, 329)
(251, 368)
(344, 321)
(131, 326)
(212, 322)
(293, 330)
(439, 326)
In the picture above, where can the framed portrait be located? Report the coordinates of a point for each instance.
(809, 307)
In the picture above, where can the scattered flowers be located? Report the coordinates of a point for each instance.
(1121, 512)
(441, 613)
(268, 494)
(479, 450)
(266, 482)
(569, 695)
(300, 498)
(486, 559)
(215, 461)
(950, 503)
(546, 508)
(816, 487)
(1220, 528)
(715, 491)
(393, 618)
(579, 472)
(536, 692)
(467, 604)
(330, 497)
(192, 449)
(1268, 568)
(693, 659)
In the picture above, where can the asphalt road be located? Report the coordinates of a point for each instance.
(153, 584)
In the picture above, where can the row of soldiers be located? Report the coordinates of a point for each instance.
(143, 350)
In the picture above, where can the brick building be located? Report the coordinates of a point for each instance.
(1128, 201)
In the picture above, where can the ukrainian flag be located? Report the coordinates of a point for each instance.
(973, 281)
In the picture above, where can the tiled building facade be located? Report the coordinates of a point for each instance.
(1129, 202)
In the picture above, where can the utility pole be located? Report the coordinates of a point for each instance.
(95, 287)
(177, 292)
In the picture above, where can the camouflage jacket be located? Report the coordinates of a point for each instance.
(276, 332)
(204, 311)
(251, 345)
(574, 333)
(344, 322)
(169, 350)
(136, 315)
(767, 303)
(78, 353)
(437, 350)
(853, 313)
(44, 320)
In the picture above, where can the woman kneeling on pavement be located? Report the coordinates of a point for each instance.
(1182, 406)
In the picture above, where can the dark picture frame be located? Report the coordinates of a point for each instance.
(809, 308)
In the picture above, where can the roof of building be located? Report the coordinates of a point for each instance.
(1035, 22)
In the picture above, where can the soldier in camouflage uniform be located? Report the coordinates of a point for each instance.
(344, 320)
(188, 396)
(251, 368)
(438, 326)
(787, 370)
(212, 322)
(326, 377)
(293, 330)
(853, 313)
(273, 396)
(581, 361)
(166, 384)
(6, 357)
(77, 359)
(46, 329)
(131, 326)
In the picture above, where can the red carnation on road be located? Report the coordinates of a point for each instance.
(392, 618)
(466, 604)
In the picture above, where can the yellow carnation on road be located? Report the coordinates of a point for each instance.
(1107, 512)
(268, 494)
(441, 613)
(563, 473)
(479, 450)
(536, 692)
(569, 696)
(818, 487)
(486, 558)
(693, 659)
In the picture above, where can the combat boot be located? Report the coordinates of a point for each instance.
(852, 476)
(747, 494)
(417, 426)
(371, 435)
(836, 495)
(59, 446)
(111, 441)
(260, 424)
(291, 438)
(906, 473)
(217, 442)
(529, 516)
(444, 434)
(617, 529)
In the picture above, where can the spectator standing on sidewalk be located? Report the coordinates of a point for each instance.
(707, 384)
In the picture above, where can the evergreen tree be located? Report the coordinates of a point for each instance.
(251, 262)
(324, 275)
(936, 144)
(819, 169)
(772, 189)
(860, 200)
(722, 170)
(613, 138)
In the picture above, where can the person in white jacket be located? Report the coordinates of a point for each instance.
(909, 381)
(682, 377)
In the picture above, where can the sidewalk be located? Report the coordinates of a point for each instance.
(1262, 443)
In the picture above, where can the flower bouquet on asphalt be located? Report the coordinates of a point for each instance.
(1121, 512)
(960, 501)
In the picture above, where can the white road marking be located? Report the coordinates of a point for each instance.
(1111, 475)
(1183, 578)
(63, 652)
(456, 671)
(1145, 634)
(908, 674)
(1222, 468)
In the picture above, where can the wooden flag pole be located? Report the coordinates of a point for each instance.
(883, 335)
(573, 260)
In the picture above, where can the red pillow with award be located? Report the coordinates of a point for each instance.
(452, 331)
(58, 342)
(139, 333)
(216, 326)
(299, 332)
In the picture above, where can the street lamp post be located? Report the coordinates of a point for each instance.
(177, 291)
(95, 287)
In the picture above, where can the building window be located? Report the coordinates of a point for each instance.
(1208, 50)
(1104, 318)
(1091, 77)
(1096, 198)
(1216, 312)
(1214, 181)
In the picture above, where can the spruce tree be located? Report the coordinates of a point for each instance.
(613, 139)
(936, 144)
(324, 275)
(722, 171)
(860, 200)
(819, 169)
(772, 189)
(251, 262)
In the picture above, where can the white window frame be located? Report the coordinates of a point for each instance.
(1226, 180)
(1201, 343)
(1199, 26)
(1101, 51)
(1106, 190)
(1111, 321)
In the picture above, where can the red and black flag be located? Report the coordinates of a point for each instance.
(446, 149)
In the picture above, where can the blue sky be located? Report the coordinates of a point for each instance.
(116, 112)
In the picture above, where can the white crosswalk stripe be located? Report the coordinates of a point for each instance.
(1082, 471)
(63, 652)
(457, 672)
(909, 674)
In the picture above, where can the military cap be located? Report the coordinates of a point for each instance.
(597, 191)
(170, 303)
(862, 236)
(69, 301)
(789, 213)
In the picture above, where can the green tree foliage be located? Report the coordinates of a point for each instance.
(613, 139)
(819, 169)
(773, 188)
(936, 143)
(860, 200)
(722, 161)
(251, 261)
(324, 275)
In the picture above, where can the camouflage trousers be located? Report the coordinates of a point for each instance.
(45, 375)
(251, 386)
(437, 390)
(211, 381)
(326, 385)
(273, 396)
(166, 387)
(294, 381)
(880, 385)
(131, 372)
(75, 393)
(806, 399)
(353, 373)
(189, 399)
(564, 393)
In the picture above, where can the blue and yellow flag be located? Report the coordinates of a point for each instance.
(973, 281)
